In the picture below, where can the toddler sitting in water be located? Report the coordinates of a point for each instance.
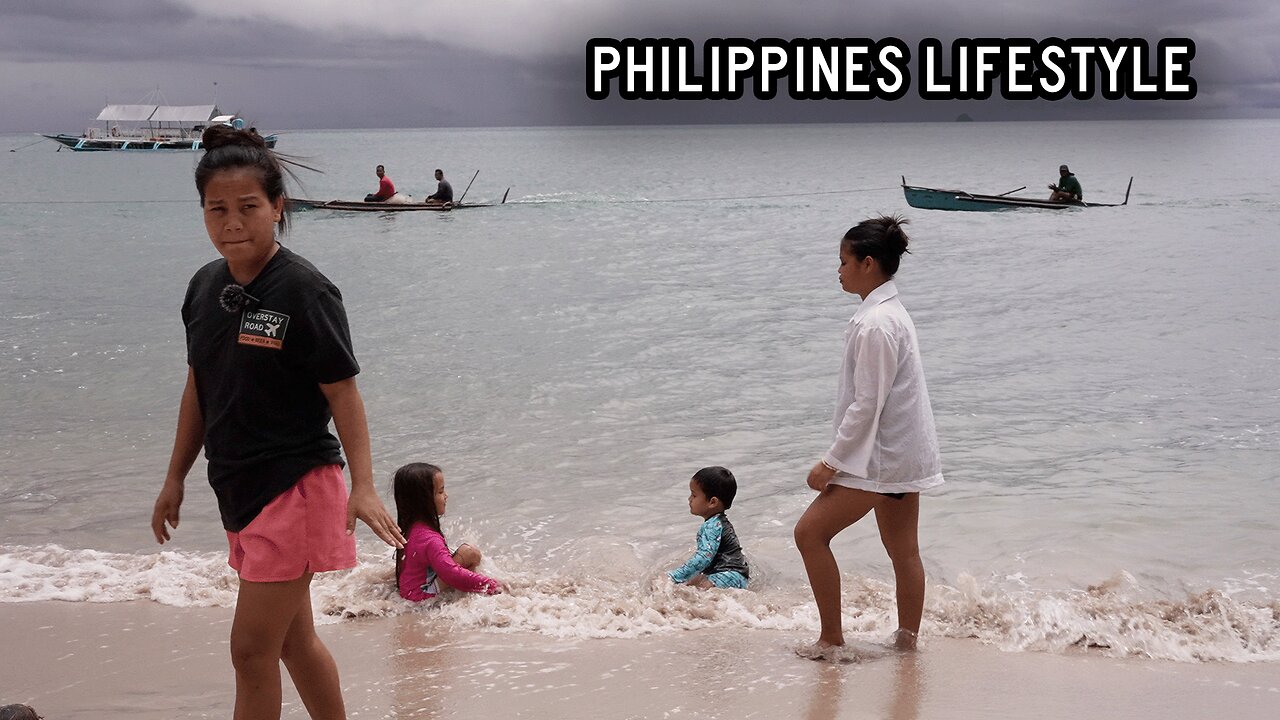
(425, 562)
(718, 560)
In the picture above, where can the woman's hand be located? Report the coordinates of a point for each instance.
(820, 475)
(166, 510)
(366, 505)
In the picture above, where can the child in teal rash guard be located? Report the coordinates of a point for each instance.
(718, 560)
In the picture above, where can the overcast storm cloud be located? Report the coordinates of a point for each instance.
(416, 63)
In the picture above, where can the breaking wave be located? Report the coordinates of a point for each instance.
(608, 593)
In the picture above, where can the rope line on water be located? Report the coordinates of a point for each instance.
(94, 202)
(705, 199)
(514, 202)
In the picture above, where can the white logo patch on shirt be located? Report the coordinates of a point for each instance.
(263, 328)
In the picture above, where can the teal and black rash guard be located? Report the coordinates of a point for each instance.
(718, 551)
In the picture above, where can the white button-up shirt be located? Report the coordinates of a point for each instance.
(885, 439)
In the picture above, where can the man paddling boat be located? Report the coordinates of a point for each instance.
(1068, 187)
(444, 191)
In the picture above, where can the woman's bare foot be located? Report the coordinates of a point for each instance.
(853, 652)
(820, 650)
(903, 639)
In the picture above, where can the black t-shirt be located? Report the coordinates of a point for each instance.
(443, 193)
(258, 372)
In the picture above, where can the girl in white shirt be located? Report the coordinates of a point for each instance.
(885, 449)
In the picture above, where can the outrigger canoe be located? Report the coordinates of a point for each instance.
(148, 127)
(935, 199)
(399, 203)
(362, 206)
(90, 143)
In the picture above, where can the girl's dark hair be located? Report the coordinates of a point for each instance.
(881, 238)
(227, 148)
(414, 489)
(717, 482)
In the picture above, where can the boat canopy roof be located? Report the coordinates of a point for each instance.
(184, 113)
(158, 113)
(126, 113)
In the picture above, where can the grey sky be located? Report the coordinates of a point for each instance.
(425, 63)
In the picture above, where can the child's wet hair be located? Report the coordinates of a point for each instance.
(717, 482)
(414, 489)
(881, 238)
(227, 148)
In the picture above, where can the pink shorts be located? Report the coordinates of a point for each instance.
(303, 530)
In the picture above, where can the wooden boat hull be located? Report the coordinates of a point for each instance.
(385, 207)
(381, 207)
(132, 144)
(959, 200)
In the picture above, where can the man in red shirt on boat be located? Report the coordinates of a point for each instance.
(386, 188)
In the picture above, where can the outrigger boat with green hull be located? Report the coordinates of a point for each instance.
(935, 199)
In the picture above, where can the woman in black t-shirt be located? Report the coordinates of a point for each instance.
(269, 363)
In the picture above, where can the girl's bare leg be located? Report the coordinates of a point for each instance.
(272, 619)
(835, 509)
(899, 521)
(468, 556)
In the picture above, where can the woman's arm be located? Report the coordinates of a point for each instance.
(353, 431)
(187, 442)
(875, 367)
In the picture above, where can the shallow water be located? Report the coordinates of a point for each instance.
(1104, 380)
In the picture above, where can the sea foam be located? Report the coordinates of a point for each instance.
(605, 594)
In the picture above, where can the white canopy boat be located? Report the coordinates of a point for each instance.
(151, 127)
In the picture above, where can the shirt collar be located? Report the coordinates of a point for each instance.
(875, 297)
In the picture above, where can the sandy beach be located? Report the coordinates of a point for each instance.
(143, 660)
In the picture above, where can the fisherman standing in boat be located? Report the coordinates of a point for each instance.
(1068, 187)
(386, 188)
(444, 191)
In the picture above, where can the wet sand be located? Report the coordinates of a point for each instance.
(142, 660)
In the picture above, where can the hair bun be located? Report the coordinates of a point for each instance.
(216, 136)
(895, 238)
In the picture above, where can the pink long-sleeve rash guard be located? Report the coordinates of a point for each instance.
(428, 562)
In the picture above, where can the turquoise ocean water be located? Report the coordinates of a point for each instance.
(651, 300)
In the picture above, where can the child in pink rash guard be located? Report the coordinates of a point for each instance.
(425, 564)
